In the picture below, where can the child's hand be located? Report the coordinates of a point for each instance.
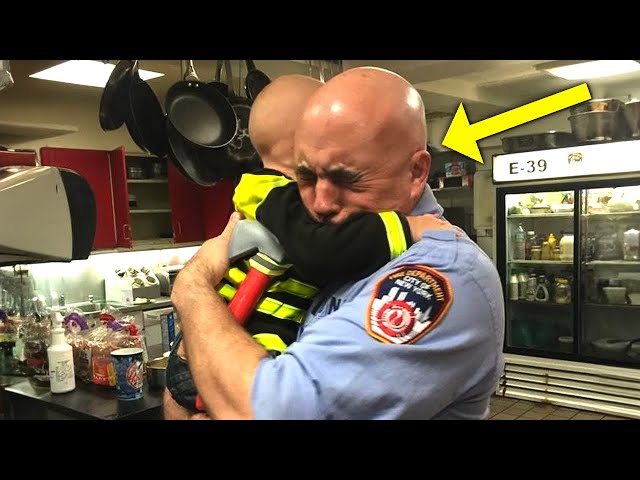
(423, 223)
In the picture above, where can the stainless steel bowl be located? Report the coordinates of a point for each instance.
(156, 372)
(599, 126)
(598, 105)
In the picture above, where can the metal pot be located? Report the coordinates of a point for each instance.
(599, 126)
(632, 116)
(156, 373)
(538, 141)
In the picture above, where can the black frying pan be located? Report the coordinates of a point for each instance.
(114, 101)
(146, 119)
(200, 113)
(240, 150)
(255, 80)
(201, 165)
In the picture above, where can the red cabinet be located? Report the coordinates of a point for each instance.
(105, 172)
(9, 158)
(198, 212)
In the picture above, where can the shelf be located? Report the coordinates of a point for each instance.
(541, 215)
(542, 262)
(149, 180)
(451, 189)
(152, 244)
(536, 303)
(614, 262)
(149, 210)
(35, 130)
(611, 305)
(609, 214)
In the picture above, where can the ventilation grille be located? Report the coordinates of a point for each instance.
(608, 390)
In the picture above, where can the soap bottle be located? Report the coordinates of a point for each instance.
(61, 371)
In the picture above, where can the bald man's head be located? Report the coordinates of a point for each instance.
(377, 99)
(361, 145)
(275, 114)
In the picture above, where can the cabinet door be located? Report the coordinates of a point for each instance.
(121, 212)
(95, 167)
(9, 159)
(186, 207)
(217, 204)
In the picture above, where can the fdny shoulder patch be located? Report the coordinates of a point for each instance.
(407, 304)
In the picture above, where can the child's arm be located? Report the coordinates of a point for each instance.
(322, 252)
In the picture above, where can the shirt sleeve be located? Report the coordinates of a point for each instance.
(321, 252)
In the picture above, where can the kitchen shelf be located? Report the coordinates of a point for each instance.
(452, 189)
(150, 210)
(148, 180)
(151, 244)
(540, 215)
(35, 130)
(542, 262)
(609, 214)
(611, 305)
(614, 262)
(537, 303)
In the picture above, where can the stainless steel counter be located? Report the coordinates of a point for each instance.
(160, 302)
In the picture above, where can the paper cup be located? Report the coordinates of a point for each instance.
(129, 368)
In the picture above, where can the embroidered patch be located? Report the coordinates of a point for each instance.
(407, 304)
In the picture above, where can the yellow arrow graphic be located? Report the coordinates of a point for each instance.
(463, 137)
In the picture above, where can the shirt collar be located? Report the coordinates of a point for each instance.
(427, 203)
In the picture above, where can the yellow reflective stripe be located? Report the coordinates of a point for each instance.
(226, 291)
(268, 306)
(235, 276)
(295, 287)
(252, 190)
(270, 341)
(275, 308)
(395, 233)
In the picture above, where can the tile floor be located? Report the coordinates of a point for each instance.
(504, 408)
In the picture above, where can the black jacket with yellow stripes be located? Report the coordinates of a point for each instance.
(319, 252)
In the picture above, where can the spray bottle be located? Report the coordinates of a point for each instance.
(60, 353)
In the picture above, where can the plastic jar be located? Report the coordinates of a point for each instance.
(566, 247)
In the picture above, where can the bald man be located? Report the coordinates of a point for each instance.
(366, 346)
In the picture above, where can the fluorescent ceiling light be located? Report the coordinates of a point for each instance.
(91, 73)
(571, 70)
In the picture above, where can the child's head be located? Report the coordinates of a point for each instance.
(274, 116)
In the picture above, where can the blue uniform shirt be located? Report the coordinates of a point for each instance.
(421, 338)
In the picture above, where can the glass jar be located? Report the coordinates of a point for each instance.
(562, 291)
(631, 247)
(566, 247)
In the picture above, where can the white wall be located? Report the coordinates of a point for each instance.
(80, 278)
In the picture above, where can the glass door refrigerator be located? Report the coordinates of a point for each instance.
(568, 252)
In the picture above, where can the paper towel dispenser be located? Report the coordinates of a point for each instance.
(47, 214)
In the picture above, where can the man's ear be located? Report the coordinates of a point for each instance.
(420, 166)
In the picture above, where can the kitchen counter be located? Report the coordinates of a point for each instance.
(24, 401)
(160, 302)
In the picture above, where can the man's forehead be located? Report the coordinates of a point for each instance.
(336, 167)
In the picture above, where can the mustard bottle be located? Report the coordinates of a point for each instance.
(552, 242)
